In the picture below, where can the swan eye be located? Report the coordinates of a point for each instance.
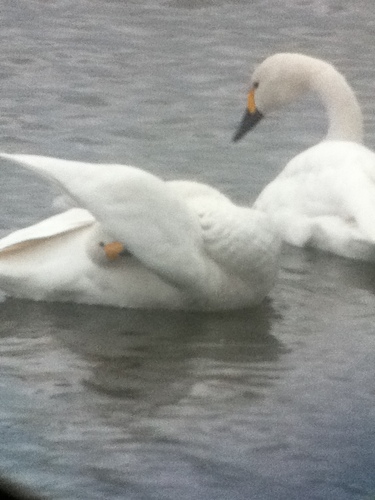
(255, 85)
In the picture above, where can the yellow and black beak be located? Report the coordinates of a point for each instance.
(251, 117)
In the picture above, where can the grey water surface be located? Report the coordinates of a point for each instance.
(101, 403)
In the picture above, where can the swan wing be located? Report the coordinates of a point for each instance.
(135, 208)
(71, 220)
(242, 242)
(245, 244)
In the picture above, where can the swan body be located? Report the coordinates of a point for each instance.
(325, 196)
(188, 246)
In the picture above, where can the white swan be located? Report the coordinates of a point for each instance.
(325, 196)
(187, 245)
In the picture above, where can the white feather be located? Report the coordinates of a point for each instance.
(191, 247)
(325, 196)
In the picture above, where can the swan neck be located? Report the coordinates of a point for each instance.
(344, 113)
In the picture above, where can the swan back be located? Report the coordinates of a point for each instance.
(325, 198)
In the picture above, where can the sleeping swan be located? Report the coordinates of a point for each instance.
(140, 242)
(325, 196)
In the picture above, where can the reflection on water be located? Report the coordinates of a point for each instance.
(142, 357)
(271, 403)
(115, 386)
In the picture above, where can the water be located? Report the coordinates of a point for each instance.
(98, 403)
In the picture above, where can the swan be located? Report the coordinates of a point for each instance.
(139, 242)
(325, 196)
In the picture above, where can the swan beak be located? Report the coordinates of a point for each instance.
(251, 117)
(249, 120)
(114, 250)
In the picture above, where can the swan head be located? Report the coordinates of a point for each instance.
(114, 250)
(103, 250)
(277, 81)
